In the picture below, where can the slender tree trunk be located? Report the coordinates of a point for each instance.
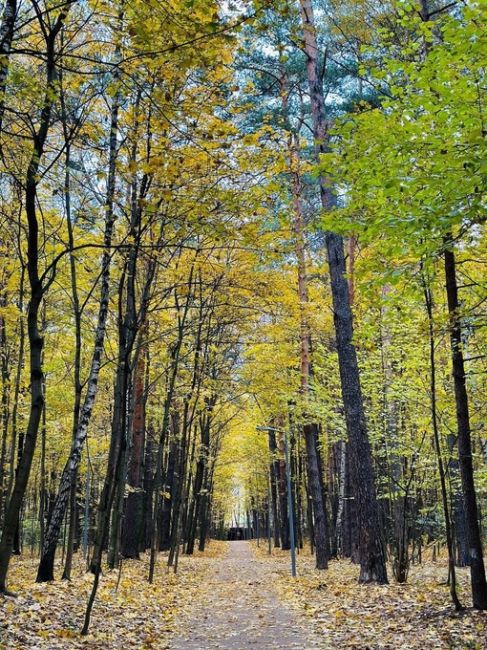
(6, 37)
(45, 571)
(273, 481)
(18, 377)
(5, 401)
(132, 522)
(342, 482)
(201, 470)
(77, 349)
(175, 498)
(37, 290)
(168, 489)
(436, 437)
(197, 487)
(280, 465)
(316, 497)
(206, 506)
(310, 429)
(148, 490)
(476, 560)
(180, 489)
(459, 523)
(116, 451)
(372, 557)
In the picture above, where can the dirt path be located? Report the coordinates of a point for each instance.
(239, 609)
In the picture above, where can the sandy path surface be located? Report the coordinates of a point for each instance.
(239, 609)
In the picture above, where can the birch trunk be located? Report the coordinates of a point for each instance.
(6, 37)
(45, 571)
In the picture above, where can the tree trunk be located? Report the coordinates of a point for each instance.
(282, 492)
(273, 480)
(436, 438)
(77, 350)
(6, 37)
(199, 478)
(37, 290)
(310, 429)
(45, 571)
(476, 561)
(18, 377)
(5, 400)
(342, 481)
(372, 558)
(175, 497)
(168, 490)
(316, 497)
(132, 523)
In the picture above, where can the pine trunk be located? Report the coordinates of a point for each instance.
(372, 558)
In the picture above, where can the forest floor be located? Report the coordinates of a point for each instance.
(128, 613)
(237, 596)
(344, 614)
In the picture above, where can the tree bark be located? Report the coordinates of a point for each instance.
(37, 290)
(477, 568)
(280, 465)
(436, 437)
(201, 466)
(372, 558)
(310, 429)
(45, 571)
(6, 37)
(273, 483)
(132, 522)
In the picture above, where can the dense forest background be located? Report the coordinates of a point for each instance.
(230, 227)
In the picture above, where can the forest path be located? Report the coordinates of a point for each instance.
(238, 608)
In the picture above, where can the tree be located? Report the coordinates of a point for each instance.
(372, 560)
(38, 285)
(421, 199)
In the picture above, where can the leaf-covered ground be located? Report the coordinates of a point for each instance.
(237, 596)
(133, 615)
(347, 615)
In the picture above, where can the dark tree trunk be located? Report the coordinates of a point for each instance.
(36, 376)
(282, 492)
(459, 526)
(372, 557)
(201, 469)
(436, 438)
(168, 489)
(316, 496)
(45, 571)
(6, 37)
(148, 488)
(132, 523)
(179, 496)
(37, 290)
(5, 399)
(274, 478)
(16, 396)
(476, 561)
(206, 506)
